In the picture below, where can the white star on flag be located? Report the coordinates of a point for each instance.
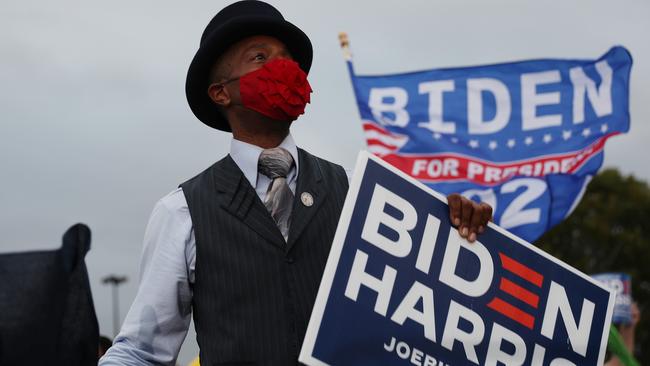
(528, 140)
(547, 138)
(604, 128)
(473, 144)
(454, 140)
(493, 145)
(437, 136)
(566, 134)
(511, 143)
(586, 132)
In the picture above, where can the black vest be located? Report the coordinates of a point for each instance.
(253, 293)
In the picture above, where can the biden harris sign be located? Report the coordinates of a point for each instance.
(401, 287)
(524, 137)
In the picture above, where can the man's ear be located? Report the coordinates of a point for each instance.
(219, 94)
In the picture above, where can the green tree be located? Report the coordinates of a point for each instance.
(609, 231)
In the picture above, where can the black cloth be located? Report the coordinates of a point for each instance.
(253, 293)
(47, 315)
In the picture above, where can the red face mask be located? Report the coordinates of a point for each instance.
(278, 90)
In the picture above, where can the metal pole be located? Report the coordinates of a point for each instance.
(115, 281)
(116, 310)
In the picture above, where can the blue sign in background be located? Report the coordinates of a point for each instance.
(622, 283)
(555, 194)
(352, 333)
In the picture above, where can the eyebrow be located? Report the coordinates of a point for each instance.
(257, 45)
(264, 46)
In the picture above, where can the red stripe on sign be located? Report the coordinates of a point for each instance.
(519, 292)
(521, 270)
(512, 312)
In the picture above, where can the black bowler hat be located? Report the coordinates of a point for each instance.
(233, 23)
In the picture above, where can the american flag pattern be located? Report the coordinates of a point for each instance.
(381, 141)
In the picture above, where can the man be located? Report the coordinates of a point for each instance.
(232, 244)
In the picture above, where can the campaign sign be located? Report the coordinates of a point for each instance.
(622, 284)
(401, 287)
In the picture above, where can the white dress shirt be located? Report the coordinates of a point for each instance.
(157, 322)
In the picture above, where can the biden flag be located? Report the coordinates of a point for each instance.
(524, 137)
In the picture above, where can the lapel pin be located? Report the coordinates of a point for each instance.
(307, 199)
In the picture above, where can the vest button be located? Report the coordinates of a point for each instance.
(288, 259)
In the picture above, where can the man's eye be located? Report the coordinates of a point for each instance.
(259, 57)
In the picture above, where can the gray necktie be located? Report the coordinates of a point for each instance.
(275, 163)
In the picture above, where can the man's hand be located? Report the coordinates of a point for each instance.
(469, 217)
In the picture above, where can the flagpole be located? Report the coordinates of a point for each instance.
(344, 41)
(345, 46)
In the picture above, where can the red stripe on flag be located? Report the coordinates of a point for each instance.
(472, 169)
(381, 143)
(519, 292)
(374, 127)
(512, 312)
(521, 270)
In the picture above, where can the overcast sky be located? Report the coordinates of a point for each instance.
(95, 126)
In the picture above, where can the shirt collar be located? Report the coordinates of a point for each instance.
(246, 156)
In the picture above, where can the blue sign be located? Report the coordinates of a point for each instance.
(622, 284)
(401, 287)
(524, 137)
